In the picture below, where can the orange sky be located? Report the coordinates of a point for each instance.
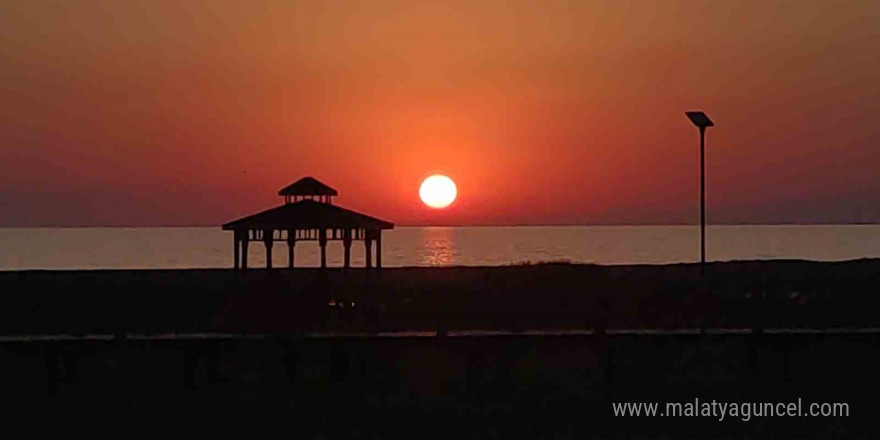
(551, 112)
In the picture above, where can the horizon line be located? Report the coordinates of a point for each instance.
(471, 225)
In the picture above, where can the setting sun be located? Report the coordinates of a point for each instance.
(438, 191)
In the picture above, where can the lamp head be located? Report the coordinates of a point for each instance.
(700, 119)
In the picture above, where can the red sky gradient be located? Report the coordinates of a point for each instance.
(195, 113)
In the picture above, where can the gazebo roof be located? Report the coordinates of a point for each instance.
(307, 186)
(308, 214)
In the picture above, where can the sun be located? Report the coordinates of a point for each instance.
(438, 191)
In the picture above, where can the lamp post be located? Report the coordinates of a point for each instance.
(702, 122)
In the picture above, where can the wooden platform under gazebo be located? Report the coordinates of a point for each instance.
(308, 214)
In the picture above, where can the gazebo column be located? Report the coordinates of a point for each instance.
(291, 242)
(346, 242)
(236, 239)
(368, 246)
(267, 240)
(322, 241)
(379, 249)
(244, 249)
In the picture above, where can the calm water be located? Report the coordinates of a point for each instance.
(88, 248)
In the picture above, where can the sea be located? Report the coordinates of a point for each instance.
(210, 247)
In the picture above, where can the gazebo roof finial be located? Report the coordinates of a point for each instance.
(307, 188)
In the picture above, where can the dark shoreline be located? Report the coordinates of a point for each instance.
(740, 294)
(262, 374)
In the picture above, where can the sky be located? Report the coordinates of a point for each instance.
(160, 112)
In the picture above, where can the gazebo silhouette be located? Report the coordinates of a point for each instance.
(308, 214)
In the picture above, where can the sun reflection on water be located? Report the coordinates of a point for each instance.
(438, 247)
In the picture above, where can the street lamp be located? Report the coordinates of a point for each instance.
(702, 122)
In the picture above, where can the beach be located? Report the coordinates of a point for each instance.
(529, 350)
(747, 294)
